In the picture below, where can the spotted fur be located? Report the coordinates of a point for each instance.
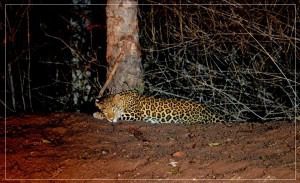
(130, 106)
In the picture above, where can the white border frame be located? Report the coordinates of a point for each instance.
(197, 4)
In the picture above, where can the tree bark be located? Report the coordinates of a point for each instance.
(123, 53)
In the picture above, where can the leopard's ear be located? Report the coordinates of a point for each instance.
(97, 100)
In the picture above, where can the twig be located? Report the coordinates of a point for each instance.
(6, 106)
(12, 87)
(29, 60)
(73, 51)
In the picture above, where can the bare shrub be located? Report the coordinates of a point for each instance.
(238, 59)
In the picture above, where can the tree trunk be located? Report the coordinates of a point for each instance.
(123, 53)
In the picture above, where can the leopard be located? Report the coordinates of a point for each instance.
(132, 106)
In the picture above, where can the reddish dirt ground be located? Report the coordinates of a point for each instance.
(77, 146)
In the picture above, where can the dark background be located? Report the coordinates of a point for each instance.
(221, 55)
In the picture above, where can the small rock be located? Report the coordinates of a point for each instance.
(173, 163)
(178, 154)
(45, 141)
(213, 144)
(104, 152)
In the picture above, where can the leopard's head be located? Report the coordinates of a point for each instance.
(111, 107)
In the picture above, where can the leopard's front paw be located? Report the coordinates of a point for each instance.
(99, 115)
